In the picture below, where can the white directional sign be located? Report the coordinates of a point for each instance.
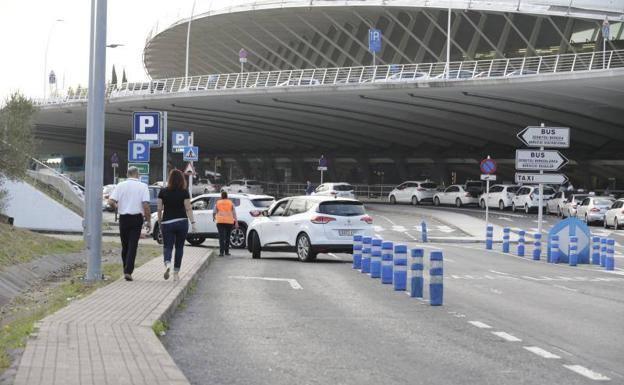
(553, 137)
(546, 160)
(489, 177)
(525, 178)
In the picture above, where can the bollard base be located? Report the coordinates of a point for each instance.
(435, 294)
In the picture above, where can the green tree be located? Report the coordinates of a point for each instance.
(16, 138)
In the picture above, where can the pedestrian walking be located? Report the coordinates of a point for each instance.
(224, 216)
(174, 214)
(131, 200)
(309, 188)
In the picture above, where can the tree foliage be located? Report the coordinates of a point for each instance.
(16, 136)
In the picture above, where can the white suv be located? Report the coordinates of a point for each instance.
(337, 190)
(413, 192)
(248, 208)
(500, 196)
(527, 198)
(309, 225)
(243, 186)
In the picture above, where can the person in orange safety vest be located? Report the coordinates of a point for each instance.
(224, 216)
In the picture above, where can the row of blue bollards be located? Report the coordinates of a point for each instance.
(388, 262)
(602, 249)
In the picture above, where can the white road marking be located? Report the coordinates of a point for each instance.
(480, 324)
(292, 282)
(564, 351)
(505, 219)
(387, 219)
(378, 229)
(583, 371)
(565, 288)
(541, 352)
(499, 272)
(400, 229)
(507, 336)
(445, 229)
(410, 235)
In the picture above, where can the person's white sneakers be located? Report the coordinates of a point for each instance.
(176, 276)
(167, 270)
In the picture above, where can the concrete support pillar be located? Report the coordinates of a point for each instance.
(401, 168)
(364, 169)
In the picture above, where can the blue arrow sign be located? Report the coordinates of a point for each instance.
(567, 228)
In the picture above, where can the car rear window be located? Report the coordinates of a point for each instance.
(343, 187)
(428, 185)
(343, 209)
(262, 202)
(603, 202)
(549, 191)
(253, 183)
(513, 189)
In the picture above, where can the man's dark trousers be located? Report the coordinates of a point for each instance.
(129, 232)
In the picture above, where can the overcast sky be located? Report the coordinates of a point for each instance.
(25, 27)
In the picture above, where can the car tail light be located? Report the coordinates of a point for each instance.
(322, 220)
(367, 219)
(595, 210)
(255, 213)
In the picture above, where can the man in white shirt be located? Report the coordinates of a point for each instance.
(131, 198)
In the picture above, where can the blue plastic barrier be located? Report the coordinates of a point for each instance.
(521, 241)
(416, 273)
(554, 249)
(610, 260)
(357, 252)
(423, 231)
(603, 252)
(399, 272)
(489, 237)
(595, 251)
(436, 282)
(386, 262)
(537, 251)
(375, 264)
(366, 254)
(506, 238)
(573, 260)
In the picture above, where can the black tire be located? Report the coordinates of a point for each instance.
(237, 237)
(305, 253)
(458, 203)
(436, 201)
(559, 212)
(501, 206)
(526, 208)
(415, 201)
(482, 204)
(256, 248)
(195, 240)
(587, 222)
(616, 225)
(604, 223)
(157, 235)
(513, 207)
(392, 200)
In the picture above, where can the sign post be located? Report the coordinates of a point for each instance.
(191, 154)
(322, 167)
(606, 31)
(374, 42)
(242, 58)
(164, 136)
(542, 160)
(115, 164)
(488, 170)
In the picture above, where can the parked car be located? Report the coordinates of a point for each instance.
(106, 193)
(336, 190)
(414, 192)
(569, 207)
(203, 186)
(593, 209)
(615, 215)
(476, 187)
(408, 76)
(527, 198)
(455, 195)
(501, 196)
(309, 225)
(248, 207)
(154, 191)
(243, 186)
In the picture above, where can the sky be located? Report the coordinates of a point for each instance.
(28, 26)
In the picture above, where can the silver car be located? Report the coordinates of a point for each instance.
(593, 209)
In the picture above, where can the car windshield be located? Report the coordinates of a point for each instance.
(428, 185)
(341, 208)
(74, 162)
(253, 183)
(343, 187)
(262, 202)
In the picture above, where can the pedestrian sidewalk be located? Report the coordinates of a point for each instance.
(107, 337)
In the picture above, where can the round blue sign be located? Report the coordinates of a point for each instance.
(488, 166)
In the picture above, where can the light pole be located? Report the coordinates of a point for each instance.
(94, 166)
(188, 42)
(45, 57)
(448, 44)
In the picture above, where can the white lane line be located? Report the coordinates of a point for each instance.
(388, 219)
(565, 288)
(507, 336)
(583, 371)
(400, 229)
(410, 235)
(505, 219)
(292, 282)
(480, 324)
(499, 272)
(541, 352)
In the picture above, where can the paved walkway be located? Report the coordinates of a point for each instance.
(107, 337)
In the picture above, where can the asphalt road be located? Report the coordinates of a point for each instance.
(505, 320)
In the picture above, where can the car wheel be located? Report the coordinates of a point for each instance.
(415, 201)
(157, 235)
(526, 208)
(458, 203)
(559, 212)
(392, 200)
(586, 220)
(256, 249)
(482, 204)
(501, 205)
(195, 240)
(513, 207)
(615, 224)
(304, 248)
(436, 201)
(237, 237)
(604, 223)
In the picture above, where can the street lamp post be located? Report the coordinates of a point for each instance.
(448, 44)
(188, 42)
(45, 57)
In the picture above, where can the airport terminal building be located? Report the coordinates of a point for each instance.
(311, 86)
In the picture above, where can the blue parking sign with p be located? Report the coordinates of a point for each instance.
(139, 151)
(374, 40)
(180, 139)
(146, 127)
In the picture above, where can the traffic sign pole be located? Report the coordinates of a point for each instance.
(190, 182)
(540, 209)
(164, 126)
(487, 199)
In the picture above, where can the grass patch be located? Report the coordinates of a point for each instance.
(19, 246)
(160, 328)
(17, 322)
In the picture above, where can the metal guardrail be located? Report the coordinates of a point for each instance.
(344, 76)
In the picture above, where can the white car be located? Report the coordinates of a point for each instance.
(527, 198)
(309, 225)
(337, 190)
(615, 215)
(455, 195)
(248, 208)
(413, 192)
(203, 186)
(243, 186)
(555, 205)
(571, 204)
(593, 209)
(501, 196)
